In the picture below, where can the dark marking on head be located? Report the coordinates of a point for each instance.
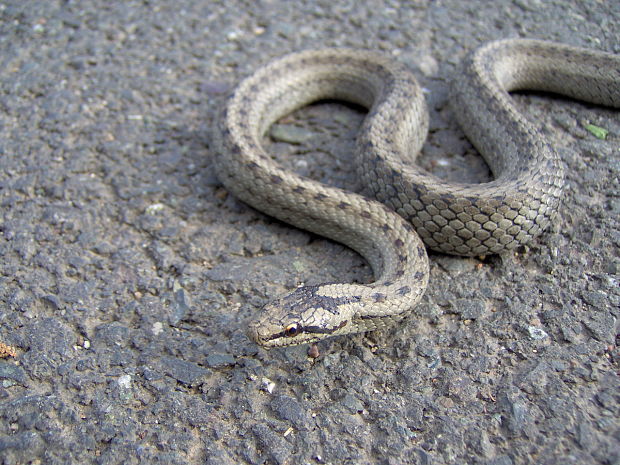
(421, 251)
(323, 330)
(400, 273)
(386, 227)
(398, 243)
(418, 275)
(251, 165)
(379, 297)
(276, 179)
(299, 189)
(404, 290)
(388, 283)
(402, 258)
(320, 196)
(276, 336)
(310, 297)
(365, 214)
(408, 226)
(343, 205)
(377, 318)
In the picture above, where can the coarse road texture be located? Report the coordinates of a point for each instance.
(128, 273)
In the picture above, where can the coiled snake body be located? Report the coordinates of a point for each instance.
(453, 218)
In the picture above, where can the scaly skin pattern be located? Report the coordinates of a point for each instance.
(452, 218)
(522, 200)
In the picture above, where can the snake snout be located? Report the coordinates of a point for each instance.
(253, 334)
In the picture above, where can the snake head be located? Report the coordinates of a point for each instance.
(306, 315)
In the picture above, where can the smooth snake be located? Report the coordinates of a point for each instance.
(460, 219)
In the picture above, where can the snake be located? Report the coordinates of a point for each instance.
(403, 209)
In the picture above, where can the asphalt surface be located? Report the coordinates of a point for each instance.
(128, 274)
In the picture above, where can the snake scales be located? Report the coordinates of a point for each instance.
(453, 218)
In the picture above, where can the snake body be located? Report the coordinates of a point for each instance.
(453, 218)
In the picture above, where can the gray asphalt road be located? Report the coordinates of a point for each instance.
(128, 274)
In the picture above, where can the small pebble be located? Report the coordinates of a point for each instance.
(313, 351)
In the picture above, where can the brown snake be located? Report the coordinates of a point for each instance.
(461, 219)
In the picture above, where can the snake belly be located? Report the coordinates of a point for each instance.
(454, 218)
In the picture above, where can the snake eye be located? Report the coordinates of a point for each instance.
(292, 330)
